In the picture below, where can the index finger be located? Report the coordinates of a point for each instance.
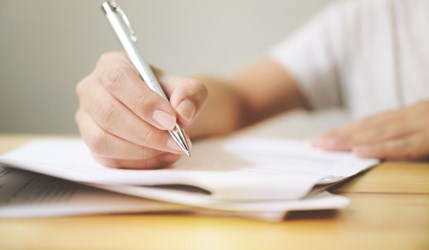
(122, 81)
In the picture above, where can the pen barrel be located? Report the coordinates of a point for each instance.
(124, 35)
(123, 31)
(144, 69)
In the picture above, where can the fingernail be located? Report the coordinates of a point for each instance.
(187, 109)
(164, 119)
(171, 144)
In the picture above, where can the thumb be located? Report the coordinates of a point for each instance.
(187, 96)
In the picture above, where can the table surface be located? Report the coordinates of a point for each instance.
(389, 210)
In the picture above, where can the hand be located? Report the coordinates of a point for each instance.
(124, 123)
(402, 134)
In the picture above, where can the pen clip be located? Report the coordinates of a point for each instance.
(124, 17)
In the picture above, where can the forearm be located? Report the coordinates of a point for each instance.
(257, 92)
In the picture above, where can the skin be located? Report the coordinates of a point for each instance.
(401, 134)
(125, 124)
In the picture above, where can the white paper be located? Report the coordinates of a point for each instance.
(323, 200)
(232, 169)
(27, 194)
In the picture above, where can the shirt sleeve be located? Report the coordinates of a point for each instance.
(313, 56)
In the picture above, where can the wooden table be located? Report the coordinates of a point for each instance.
(389, 210)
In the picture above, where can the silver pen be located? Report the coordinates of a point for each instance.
(124, 32)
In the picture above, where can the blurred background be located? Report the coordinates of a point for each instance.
(47, 46)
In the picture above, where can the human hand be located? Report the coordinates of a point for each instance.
(124, 123)
(401, 134)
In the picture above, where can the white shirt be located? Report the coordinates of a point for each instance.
(364, 55)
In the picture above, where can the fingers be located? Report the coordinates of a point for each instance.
(369, 122)
(111, 116)
(104, 144)
(115, 152)
(410, 147)
(187, 97)
(394, 135)
(378, 128)
(368, 135)
(120, 79)
(124, 122)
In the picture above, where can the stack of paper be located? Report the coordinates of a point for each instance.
(245, 176)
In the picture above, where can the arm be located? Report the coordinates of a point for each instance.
(125, 124)
(255, 93)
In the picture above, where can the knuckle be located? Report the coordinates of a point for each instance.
(80, 88)
(83, 88)
(107, 57)
(194, 86)
(107, 115)
(195, 89)
(147, 134)
(147, 102)
(103, 60)
(116, 78)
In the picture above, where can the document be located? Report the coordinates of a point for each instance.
(253, 176)
(230, 169)
(28, 194)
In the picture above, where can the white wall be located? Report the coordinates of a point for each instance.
(47, 46)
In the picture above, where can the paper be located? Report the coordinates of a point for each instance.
(27, 194)
(233, 169)
(323, 200)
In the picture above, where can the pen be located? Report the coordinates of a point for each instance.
(122, 28)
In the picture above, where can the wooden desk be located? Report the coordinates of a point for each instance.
(389, 210)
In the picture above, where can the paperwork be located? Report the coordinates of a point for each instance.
(255, 177)
(28, 194)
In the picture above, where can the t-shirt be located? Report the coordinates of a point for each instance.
(365, 55)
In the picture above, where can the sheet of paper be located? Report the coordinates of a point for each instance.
(240, 168)
(27, 194)
(323, 200)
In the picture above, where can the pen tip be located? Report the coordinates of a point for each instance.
(188, 153)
